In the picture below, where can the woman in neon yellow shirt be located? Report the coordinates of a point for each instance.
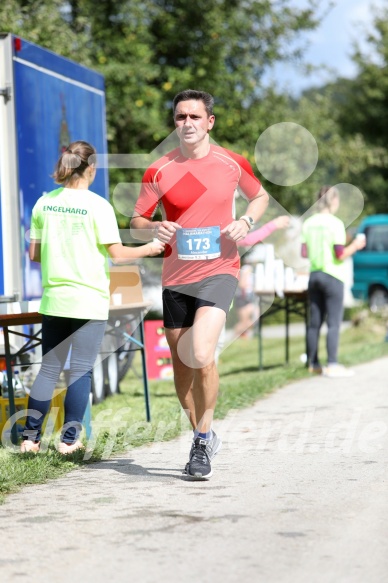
(323, 242)
(73, 232)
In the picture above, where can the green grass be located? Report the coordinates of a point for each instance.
(119, 422)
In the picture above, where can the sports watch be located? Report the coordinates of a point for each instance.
(249, 221)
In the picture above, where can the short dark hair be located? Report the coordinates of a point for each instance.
(187, 94)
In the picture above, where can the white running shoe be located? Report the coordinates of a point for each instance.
(337, 371)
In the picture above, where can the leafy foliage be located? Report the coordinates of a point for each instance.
(363, 107)
(343, 158)
(150, 50)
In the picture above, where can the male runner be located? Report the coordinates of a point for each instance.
(195, 185)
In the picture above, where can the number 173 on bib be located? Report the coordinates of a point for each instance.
(199, 244)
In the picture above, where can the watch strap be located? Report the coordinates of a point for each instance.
(248, 220)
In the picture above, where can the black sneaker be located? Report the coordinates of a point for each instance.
(199, 467)
(213, 446)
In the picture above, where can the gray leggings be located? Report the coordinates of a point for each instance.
(326, 296)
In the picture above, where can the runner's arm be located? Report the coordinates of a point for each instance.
(258, 205)
(238, 229)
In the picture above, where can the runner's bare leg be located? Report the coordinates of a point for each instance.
(194, 351)
(183, 374)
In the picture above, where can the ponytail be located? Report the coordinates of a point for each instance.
(325, 197)
(73, 162)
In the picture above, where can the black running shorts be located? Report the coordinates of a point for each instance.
(180, 302)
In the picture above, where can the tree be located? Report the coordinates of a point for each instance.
(150, 50)
(224, 47)
(43, 23)
(343, 158)
(363, 106)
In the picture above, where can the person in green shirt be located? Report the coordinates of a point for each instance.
(73, 233)
(323, 242)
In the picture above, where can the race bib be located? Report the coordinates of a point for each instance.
(198, 244)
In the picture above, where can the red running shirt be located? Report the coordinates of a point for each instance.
(197, 193)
